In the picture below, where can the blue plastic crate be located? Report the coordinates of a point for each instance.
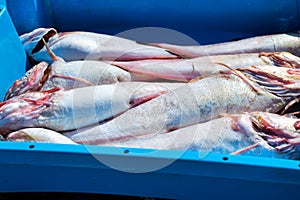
(38, 167)
(12, 55)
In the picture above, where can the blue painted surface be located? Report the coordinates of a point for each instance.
(12, 56)
(69, 168)
(74, 168)
(206, 21)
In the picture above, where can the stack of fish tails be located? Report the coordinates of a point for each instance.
(91, 88)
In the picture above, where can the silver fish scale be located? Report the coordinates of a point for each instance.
(93, 72)
(187, 105)
(229, 94)
(213, 136)
(83, 107)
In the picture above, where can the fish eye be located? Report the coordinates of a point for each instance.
(297, 125)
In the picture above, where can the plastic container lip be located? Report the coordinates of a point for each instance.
(46, 148)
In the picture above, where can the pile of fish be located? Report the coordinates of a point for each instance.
(90, 88)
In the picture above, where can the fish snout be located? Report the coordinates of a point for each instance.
(31, 82)
(32, 41)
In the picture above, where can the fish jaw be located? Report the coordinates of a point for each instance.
(282, 59)
(279, 132)
(19, 136)
(276, 124)
(23, 111)
(271, 131)
(32, 41)
(38, 135)
(31, 82)
(280, 81)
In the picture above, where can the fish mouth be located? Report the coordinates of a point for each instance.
(32, 41)
(33, 81)
(274, 135)
(282, 59)
(19, 136)
(279, 81)
(46, 35)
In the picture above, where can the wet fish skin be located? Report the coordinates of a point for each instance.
(268, 43)
(80, 45)
(187, 69)
(217, 136)
(38, 135)
(67, 75)
(198, 101)
(252, 134)
(62, 110)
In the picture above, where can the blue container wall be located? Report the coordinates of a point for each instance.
(12, 55)
(37, 167)
(206, 21)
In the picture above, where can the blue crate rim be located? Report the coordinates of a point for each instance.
(255, 161)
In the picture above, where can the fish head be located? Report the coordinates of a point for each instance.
(275, 124)
(280, 81)
(21, 111)
(19, 136)
(282, 59)
(32, 81)
(279, 131)
(272, 131)
(32, 41)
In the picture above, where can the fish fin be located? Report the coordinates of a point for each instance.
(46, 36)
(158, 46)
(245, 149)
(243, 77)
(88, 83)
(51, 53)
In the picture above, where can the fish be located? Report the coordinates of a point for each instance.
(289, 42)
(82, 45)
(62, 110)
(256, 88)
(67, 75)
(187, 69)
(38, 135)
(253, 134)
